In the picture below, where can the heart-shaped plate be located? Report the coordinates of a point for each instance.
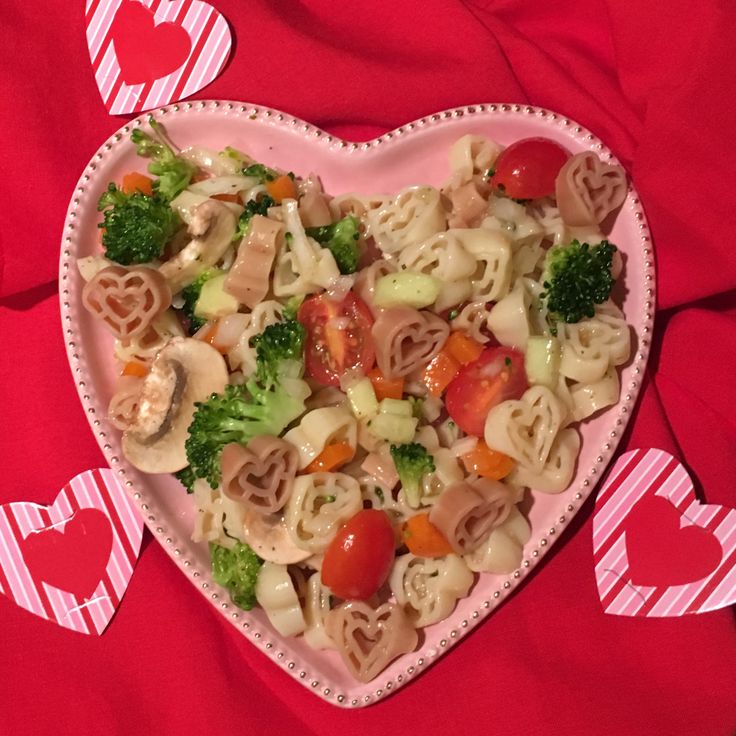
(414, 153)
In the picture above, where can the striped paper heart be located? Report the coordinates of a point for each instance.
(147, 53)
(71, 562)
(658, 551)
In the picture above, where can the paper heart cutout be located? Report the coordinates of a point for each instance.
(73, 558)
(127, 300)
(658, 551)
(147, 53)
(588, 190)
(260, 475)
(71, 562)
(681, 555)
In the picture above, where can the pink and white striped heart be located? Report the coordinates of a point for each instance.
(71, 562)
(147, 53)
(658, 551)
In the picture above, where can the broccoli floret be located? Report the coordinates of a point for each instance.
(238, 415)
(237, 570)
(190, 295)
(341, 239)
(252, 207)
(173, 172)
(283, 341)
(576, 278)
(136, 227)
(186, 477)
(260, 172)
(412, 461)
(292, 307)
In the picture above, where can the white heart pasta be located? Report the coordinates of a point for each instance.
(491, 277)
(590, 347)
(316, 607)
(143, 348)
(357, 205)
(557, 471)
(526, 428)
(378, 497)
(472, 319)
(428, 589)
(320, 427)
(472, 156)
(509, 319)
(219, 520)
(302, 265)
(588, 398)
(320, 503)
(277, 596)
(412, 216)
(502, 551)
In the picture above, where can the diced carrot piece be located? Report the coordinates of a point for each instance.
(423, 538)
(487, 462)
(134, 368)
(334, 456)
(440, 371)
(281, 188)
(386, 388)
(463, 348)
(227, 198)
(137, 182)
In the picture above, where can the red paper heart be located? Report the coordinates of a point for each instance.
(73, 559)
(681, 554)
(658, 550)
(146, 51)
(71, 562)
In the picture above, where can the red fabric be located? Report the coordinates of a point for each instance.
(655, 81)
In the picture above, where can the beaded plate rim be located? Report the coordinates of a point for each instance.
(362, 694)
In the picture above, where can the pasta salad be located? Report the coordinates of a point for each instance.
(358, 391)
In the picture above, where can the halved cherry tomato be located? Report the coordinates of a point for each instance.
(359, 558)
(338, 337)
(528, 168)
(497, 375)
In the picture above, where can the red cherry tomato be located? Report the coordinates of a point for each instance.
(497, 375)
(528, 168)
(359, 558)
(338, 337)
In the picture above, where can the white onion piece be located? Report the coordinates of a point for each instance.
(464, 446)
(229, 330)
(212, 161)
(222, 185)
(185, 203)
(340, 287)
(382, 469)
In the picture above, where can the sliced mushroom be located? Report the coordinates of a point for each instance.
(269, 538)
(212, 228)
(184, 371)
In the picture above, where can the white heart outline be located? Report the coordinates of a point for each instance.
(104, 433)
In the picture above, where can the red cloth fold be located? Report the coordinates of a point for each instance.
(655, 81)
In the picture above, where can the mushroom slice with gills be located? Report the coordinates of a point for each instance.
(185, 371)
(268, 536)
(212, 228)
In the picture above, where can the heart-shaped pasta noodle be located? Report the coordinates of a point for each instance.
(127, 300)
(406, 339)
(260, 475)
(365, 282)
(558, 469)
(428, 589)
(491, 277)
(526, 428)
(590, 347)
(248, 278)
(144, 347)
(466, 512)
(316, 608)
(473, 319)
(123, 405)
(320, 503)
(243, 355)
(319, 428)
(502, 551)
(588, 190)
(469, 206)
(411, 217)
(589, 398)
(472, 156)
(368, 639)
(358, 205)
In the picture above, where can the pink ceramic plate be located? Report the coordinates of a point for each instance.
(415, 153)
